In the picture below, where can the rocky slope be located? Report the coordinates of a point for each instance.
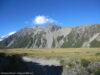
(54, 36)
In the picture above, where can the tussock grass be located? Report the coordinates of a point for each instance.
(75, 53)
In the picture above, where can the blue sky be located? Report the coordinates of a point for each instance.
(17, 14)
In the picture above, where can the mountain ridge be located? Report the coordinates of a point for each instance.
(54, 36)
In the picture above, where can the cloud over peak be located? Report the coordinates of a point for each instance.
(42, 20)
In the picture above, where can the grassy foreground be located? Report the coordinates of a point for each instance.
(92, 54)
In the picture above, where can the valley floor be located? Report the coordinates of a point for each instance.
(62, 61)
(92, 54)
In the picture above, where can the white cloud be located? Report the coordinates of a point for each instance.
(42, 20)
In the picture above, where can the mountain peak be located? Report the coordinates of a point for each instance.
(54, 27)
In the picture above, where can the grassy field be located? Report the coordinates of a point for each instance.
(92, 54)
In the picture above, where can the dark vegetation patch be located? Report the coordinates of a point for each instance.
(74, 40)
(59, 38)
(84, 62)
(53, 43)
(97, 54)
(64, 63)
(95, 71)
(71, 65)
(95, 43)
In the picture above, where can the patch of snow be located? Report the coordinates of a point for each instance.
(6, 36)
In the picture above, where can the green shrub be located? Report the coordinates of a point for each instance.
(62, 62)
(70, 64)
(95, 71)
(84, 62)
(97, 54)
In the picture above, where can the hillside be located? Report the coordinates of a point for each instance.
(54, 36)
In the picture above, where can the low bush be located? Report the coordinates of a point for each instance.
(95, 71)
(62, 62)
(70, 64)
(97, 54)
(84, 62)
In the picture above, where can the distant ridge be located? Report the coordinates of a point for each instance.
(54, 36)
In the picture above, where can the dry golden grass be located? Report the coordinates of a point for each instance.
(76, 53)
